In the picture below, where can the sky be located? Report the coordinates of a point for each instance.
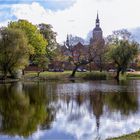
(76, 17)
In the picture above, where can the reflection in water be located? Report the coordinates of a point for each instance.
(49, 110)
(22, 109)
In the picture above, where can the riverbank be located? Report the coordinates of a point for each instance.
(133, 136)
(62, 76)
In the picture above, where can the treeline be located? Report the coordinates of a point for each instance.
(22, 43)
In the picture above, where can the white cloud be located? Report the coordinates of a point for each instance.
(80, 18)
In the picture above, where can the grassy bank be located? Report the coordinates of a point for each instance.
(133, 136)
(65, 75)
(95, 75)
(135, 75)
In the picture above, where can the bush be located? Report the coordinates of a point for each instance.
(95, 76)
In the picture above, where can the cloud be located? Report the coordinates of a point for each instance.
(49, 4)
(79, 17)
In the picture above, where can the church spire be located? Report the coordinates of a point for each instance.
(97, 21)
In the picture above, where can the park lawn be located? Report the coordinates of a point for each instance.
(95, 75)
(133, 136)
(135, 75)
(47, 75)
(66, 75)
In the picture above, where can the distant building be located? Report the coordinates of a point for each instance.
(97, 34)
(97, 43)
(80, 51)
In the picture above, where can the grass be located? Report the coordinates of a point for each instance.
(133, 75)
(65, 75)
(133, 136)
(96, 75)
(47, 75)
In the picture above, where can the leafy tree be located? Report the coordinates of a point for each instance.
(41, 61)
(81, 55)
(50, 36)
(122, 50)
(14, 50)
(35, 39)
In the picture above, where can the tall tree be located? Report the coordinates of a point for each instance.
(79, 54)
(50, 36)
(14, 50)
(122, 50)
(35, 39)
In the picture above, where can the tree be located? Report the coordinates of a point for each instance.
(14, 50)
(35, 39)
(74, 40)
(97, 51)
(122, 50)
(81, 55)
(50, 36)
(41, 61)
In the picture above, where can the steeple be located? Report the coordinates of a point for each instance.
(97, 31)
(67, 41)
(97, 21)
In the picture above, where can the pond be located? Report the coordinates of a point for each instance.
(91, 110)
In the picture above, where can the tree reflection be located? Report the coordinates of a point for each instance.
(125, 102)
(23, 108)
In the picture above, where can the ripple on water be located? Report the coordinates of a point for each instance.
(88, 87)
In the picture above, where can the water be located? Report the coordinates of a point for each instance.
(69, 111)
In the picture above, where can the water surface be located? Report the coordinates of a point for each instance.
(69, 111)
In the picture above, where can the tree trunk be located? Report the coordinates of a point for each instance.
(90, 67)
(74, 71)
(118, 73)
(101, 69)
(23, 72)
(38, 73)
(4, 76)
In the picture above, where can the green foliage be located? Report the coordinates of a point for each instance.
(122, 50)
(14, 50)
(50, 36)
(35, 39)
(41, 61)
(95, 76)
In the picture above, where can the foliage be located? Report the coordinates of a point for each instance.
(95, 76)
(14, 50)
(42, 62)
(50, 36)
(35, 39)
(121, 50)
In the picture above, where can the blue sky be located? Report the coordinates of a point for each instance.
(48, 4)
(75, 17)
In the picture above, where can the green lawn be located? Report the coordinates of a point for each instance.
(66, 75)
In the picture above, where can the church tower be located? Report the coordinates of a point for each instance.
(97, 31)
